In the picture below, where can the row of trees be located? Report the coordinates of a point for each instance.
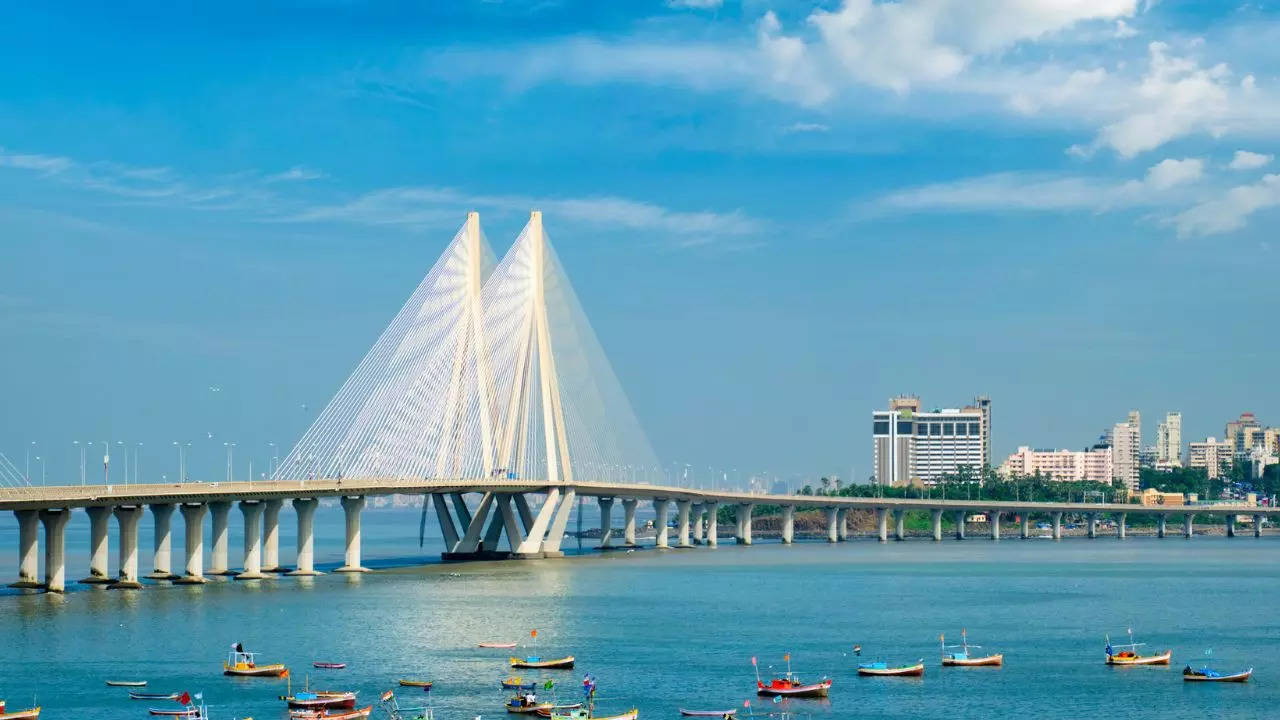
(985, 484)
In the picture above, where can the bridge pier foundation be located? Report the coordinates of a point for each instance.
(713, 524)
(744, 514)
(1057, 525)
(660, 523)
(960, 524)
(531, 547)
(1092, 524)
(127, 517)
(218, 512)
(696, 519)
(448, 531)
(833, 533)
(305, 509)
(252, 566)
(1188, 525)
(271, 536)
(994, 520)
(28, 547)
(1025, 531)
(1231, 525)
(1257, 526)
(842, 524)
(788, 524)
(162, 546)
(1121, 524)
(882, 523)
(629, 522)
(55, 555)
(99, 524)
(606, 522)
(1161, 521)
(193, 516)
(937, 525)
(352, 506)
(899, 525)
(682, 523)
(555, 534)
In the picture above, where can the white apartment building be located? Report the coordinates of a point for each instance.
(1126, 449)
(1092, 465)
(909, 444)
(1211, 454)
(1169, 441)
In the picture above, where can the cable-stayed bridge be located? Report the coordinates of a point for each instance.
(489, 395)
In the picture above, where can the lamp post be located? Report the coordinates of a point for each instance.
(271, 464)
(42, 477)
(106, 462)
(81, 448)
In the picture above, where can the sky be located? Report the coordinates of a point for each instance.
(775, 214)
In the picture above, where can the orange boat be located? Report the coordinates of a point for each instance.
(1128, 654)
(19, 714)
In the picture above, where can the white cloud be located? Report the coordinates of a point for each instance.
(1245, 160)
(47, 164)
(296, 173)
(1124, 30)
(1169, 172)
(1229, 211)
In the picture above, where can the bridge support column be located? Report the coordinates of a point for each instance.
(960, 524)
(937, 525)
(1092, 524)
(448, 530)
(629, 521)
(993, 519)
(1257, 526)
(744, 511)
(606, 522)
(305, 509)
(660, 523)
(1025, 531)
(193, 537)
(833, 533)
(1188, 525)
(1057, 525)
(162, 547)
(218, 512)
(532, 546)
(352, 506)
(127, 517)
(842, 524)
(252, 566)
(28, 547)
(526, 515)
(1121, 524)
(697, 523)
(99, 524)
(555, 534)
(1231, 525)
(713, 524)
(682, 523)
(788, 524)
(882, 523)
(469, 545)
(899, 525)
(271, 536)
(1161, 521)
(55, 556)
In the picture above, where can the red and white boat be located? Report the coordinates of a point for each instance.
(318, 699)
(500, 645)
(359, 714)
(329, 665)
(789, 685)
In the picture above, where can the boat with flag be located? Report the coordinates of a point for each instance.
(1208, 674)
(306, 699)
(588, 712)
(188, 707)
(392, 708)
(789, 685)
(241, 663)
(1127, 654)
(961, 657)
(883, 669)
(536, 662)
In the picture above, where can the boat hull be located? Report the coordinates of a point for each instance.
(988, 661)
(126, 683)
(1233, 678)
(21, 714)
(328, 665)
(363, 712)
(497, 645)
(1161, 659)
(425, 684)
(563, 663)
(628, 715)
(816, 690)
(329, 701)
(908, 671)
(276, 670)
(153, 696)
(186, 712)
(708, 713)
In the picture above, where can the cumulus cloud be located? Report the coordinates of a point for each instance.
(1229, 211)
(1169, 172)
(1245, 160)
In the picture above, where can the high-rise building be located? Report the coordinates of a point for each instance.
(1125, 440)
(1240, 431)
(983, 403)
(1212, 455)
(910, 445)
(1093, 465)
(1169, 441)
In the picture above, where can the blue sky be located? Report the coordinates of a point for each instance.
(775, 214)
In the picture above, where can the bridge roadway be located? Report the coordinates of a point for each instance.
(470, 530)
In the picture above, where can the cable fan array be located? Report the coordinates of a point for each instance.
(481, 374)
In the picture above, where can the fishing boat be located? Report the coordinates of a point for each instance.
(424, 684)
(548, 712)
(1208, 674)
(497, 645)
(516, 682)
(533, 662)
(124, 683)
(329, 665)
(19, 714)
(1128, 654)
(790, 685)
(880, 669)
(392, 708)
(527, 703)
(317, 714)
(584, 714)
(152, 696)
(963, 658)
(242, 664)
(321, 699)
(708, 713)
(186, 712)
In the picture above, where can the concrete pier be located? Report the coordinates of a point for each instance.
(193, 515)
(629, 522)
(271, 536)
(218, 512)
(960, 524)
(1025, 531)
(99, 524)
(696, 520)
(1121, 523)
(1092, 524)
(1161, 521)
(1257, 526)
(788, 524)
(937, 525)
(1057, 525)
(305, 509)
(28, 547)
(682, 523)
(127, 517)
(882, 523)
(1188, 525)
(162, 546)
(252, 566)
(352, 506)
(660, 506)
(713, 524)
(1231, 525)
(832, 532)
(606, 521)
(842, 524)
(744, 513)
(55, 555)
(993, 519)
(899, 525)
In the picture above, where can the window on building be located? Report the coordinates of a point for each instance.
(880, 427)
(948, 428)
(904, 427)
(935, 428)
(973, 429)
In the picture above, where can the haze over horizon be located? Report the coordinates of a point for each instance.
(776, 215)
